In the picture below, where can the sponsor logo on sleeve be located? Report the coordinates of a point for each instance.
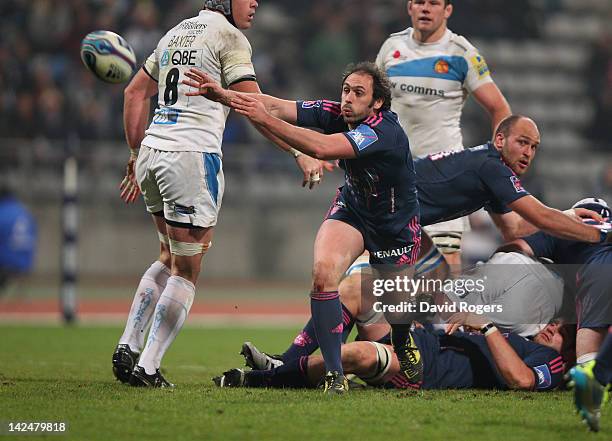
(363, 136)
(480, 66)
(311, 104)
(517, 184)
(544, 379)
(165, 60)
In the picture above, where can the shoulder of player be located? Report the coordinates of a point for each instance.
(461, 43)
(383, 121)
(401, 34)
(397, 36)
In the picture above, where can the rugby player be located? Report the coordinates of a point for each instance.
(179, 171)
(453, 360)
(591, 383)
(376, 209)
(587, 268)
(525, 294)
(433, 70)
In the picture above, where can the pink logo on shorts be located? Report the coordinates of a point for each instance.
(338, 329)
(404, 260)
(302, 339)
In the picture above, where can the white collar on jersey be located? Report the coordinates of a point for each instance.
(445, 38)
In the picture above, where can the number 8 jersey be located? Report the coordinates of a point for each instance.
(207, 42)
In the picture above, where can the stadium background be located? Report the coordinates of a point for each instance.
(551, 58)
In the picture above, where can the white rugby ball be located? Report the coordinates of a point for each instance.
(108, 56)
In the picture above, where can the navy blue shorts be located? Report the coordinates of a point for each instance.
(385, 248)
(594, 297)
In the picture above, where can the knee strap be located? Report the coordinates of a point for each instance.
(188, 249)
(383, 364)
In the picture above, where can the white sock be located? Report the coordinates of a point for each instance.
(152, 283)
(585, 358)
(170, 314)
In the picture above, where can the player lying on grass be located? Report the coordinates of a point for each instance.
(454, 360)
(524, 293)
(591, 383)
(376, 209)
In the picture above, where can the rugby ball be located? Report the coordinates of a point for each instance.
(108, 56)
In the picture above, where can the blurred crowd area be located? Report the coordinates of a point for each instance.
(299, 50)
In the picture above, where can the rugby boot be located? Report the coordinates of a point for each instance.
(124, 360)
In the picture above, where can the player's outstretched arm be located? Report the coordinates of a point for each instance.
(311, 168)
(553, 221)
(206, 86)
(136, 106)
(516, 373)
(513, 226)
(312, 143)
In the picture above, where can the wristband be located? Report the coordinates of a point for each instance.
(488, 329)
(295, 153)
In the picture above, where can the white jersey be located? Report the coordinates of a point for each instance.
(210, 43)
(431, 82)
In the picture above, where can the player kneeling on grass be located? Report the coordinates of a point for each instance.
(485, 359)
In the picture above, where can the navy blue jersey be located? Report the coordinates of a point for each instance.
(380, 183)
(454, 184)
(464, 360)
(587, 271)
(563, 251)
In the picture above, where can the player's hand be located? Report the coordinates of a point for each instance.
(469, 319)
(129, 187)
(250, 107)
(580, 214)
(205, 86)
(312, 169)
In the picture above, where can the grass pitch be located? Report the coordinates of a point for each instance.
(64, 374)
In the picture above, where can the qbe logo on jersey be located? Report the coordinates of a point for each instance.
(363, 136)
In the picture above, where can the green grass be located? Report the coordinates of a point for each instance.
(63, 374)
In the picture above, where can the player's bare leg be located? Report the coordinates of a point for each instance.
(337, 245)
(187, 246)
(588, 342)
(151, 285)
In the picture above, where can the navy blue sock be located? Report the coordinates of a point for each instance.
(327, 320)
(603, 363)
(305, 343)
(293, 374)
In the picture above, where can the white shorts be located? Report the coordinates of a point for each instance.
(460, 225)
(187, 186)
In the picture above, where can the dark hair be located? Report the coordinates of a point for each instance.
(380, 81)
(506, 124)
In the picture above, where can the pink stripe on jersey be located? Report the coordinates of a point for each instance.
(378, 119)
